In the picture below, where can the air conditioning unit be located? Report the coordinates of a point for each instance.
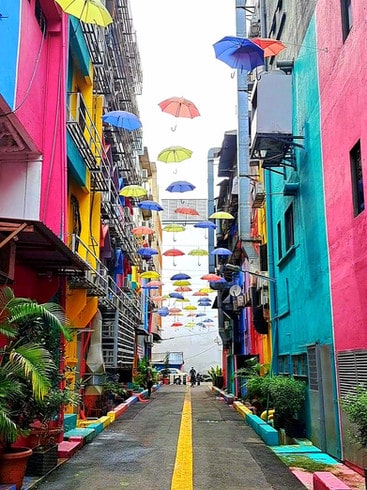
(144, 175)
(258, 195)
(149, 339)
(254, 28)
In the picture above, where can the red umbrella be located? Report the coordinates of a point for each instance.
(190, 211)
(176, 324)
(271, 47)
(173, 252)
(179, 107)
(211, 277)
(142, 230)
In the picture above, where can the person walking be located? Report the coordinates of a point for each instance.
(192, 376)
(149, 378)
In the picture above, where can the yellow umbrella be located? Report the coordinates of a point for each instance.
(185, 300)
(174, 228)
(190, 307)
(206, 290)
(174, 154)
(89, 11)
(221, 215)
(198, 252)
(133, 191)
(181, 282)
(150, 275)
(190, 325)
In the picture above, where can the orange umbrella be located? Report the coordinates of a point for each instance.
(211, 277)
(183, 289)
(142, 230)
(190, 211)
(271, 47)
(200, 293)
(179, 107)
(176, 324)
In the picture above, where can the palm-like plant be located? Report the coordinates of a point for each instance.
(26, 366)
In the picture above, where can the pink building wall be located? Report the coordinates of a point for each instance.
(343, 97)
(41, 97)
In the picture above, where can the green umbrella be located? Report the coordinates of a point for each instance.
(174, 154)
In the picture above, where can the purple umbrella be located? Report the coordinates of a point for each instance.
(180, 186)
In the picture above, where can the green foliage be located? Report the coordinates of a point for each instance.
(257, 387)
(287, 395)
(355, 406)
(214, 372)
(28, 371)
(140, 377)
(308, 464)
(115, 389)
(251, 368)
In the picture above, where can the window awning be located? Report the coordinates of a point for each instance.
(38, 247)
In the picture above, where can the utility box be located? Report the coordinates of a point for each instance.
(271, 109)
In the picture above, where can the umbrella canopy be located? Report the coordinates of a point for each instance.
(198, 252)
(122, 119)
(200, 314)
(150, 205)
(154, 283)
(160, 298)
(206, 290)
(175, 310)
(163, 311)
(184, 300)
(180, 186)
(179, 276)
(271, 47)
(173, 252)
(221, 251)
(200, 293)
(147, 251)
(189, 211)
(183, 289)
(174, 154)
(176, 295)
(221, 215)
(142, 230)
(205, 224)
(182, 282)
(133, 191)
(176, 324)
(190, 307)
(179, 107)
(174, 228)
(149, 287)
(88, 11)
(211, 277)
(190, 325)
(208, 320)
(150, 275)
(239, 53)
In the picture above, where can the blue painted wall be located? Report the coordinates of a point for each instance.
(9, 37)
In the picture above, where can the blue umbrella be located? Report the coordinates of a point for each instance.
(208, 320)
(164, 311)
(200, 314)
(239, 53)
(122, 119)
(221, 251)
(151, 205)
(147, 251)
(205, 224)
(180, 276)
(180, 186)
(176, 295)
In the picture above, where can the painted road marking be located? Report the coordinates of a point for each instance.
(182, 478)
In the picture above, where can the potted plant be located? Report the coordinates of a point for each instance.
(355, 406)
(216, 373)
(287, 395)
(26, 366)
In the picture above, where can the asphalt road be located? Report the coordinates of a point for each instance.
(138, 451)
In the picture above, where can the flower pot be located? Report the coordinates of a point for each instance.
(42, 460)
(13, 465)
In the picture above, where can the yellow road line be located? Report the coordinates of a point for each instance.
(182, 478)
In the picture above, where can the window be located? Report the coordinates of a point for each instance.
(280, 248)
(264, 257)
(289, 228)
(347, 19)
(357, 178)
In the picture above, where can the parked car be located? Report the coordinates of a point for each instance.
(178, 375)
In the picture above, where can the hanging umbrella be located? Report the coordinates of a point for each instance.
(147, 251)
(88, 11)
(181, 282)
(221, 251)
(174, 228)
(176, 295)
(190, 325)
(183, 289)
(200, 293)
(133, 191)
(150, 205)
(175, 310)
(160, 298)
(190, 307)
(208, 320)
(179, 276)
(271, 47)
(163, 311)
(239, 53)
(142, 230)
(177, 324)
(154, 283)
(187, 210)
(180, 186)
(149, 287)
(179, 107)
(150, 275)
(200, 314)
(122, 119)
(192, 314)
(173, 252)
(206, 290)
(174, 154)
(211, 277)
(198, 252)
(205, 224)
(221, 215)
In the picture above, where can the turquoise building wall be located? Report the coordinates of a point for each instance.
(301, 312)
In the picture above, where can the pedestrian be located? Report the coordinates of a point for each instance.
(192, 376)
(149, 378)
(198, 379)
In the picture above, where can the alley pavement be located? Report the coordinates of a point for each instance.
(139, 449)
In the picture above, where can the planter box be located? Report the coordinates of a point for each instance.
(42, 461)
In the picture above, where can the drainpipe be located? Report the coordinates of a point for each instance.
(244, 214)
(213, 153)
